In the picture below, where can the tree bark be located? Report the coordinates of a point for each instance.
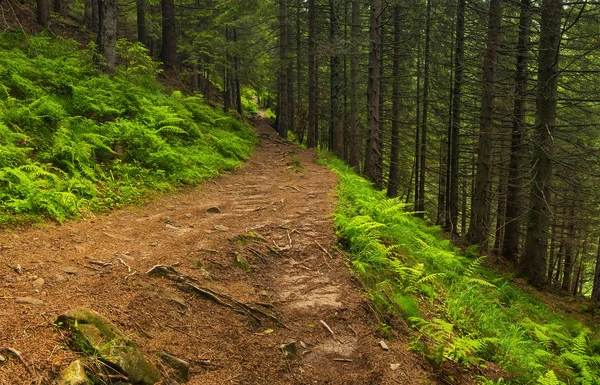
(43, 12)
(107, 34)
(596, 286)
(283, 108)
(451, 224)
(392, 190)
(142, 32)
(423, 150)
(510, 246)
(480, 207)
(533, 262)
(169, 34)
(311, 140)
(373, 158)
(337, 116)
(354, 62)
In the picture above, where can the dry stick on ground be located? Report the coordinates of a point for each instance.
(124, 264)
(324, 249)
(258, 254)
(330, 331)
(17, 354)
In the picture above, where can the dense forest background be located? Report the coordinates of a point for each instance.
(480, 115)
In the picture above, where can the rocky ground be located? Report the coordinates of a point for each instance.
(249, 286)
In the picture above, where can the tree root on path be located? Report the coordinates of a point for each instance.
(17, 354)
(184, 284)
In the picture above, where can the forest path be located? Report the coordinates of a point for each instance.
(275, 215)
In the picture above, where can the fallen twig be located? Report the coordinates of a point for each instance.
(324, 249)
(329, 330)
(99, 263)
(17, 354)
(258, 254)
(342, 359)
(124, 264)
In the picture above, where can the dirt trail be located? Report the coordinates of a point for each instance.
(275, 214)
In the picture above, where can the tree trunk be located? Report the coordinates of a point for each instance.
(107, 34)
(569, 262)
(451, 224)
(169, 35)
(373, 169)
(291, 113)
(311, 140)
(354, 62)
(480, 207)
(423, 150)
(392, 190)
(533, 262)
(141, 22)
(283, 108)
(510, 247)
(596, 286)
(299, 109)
(337, 117)
(43, 12)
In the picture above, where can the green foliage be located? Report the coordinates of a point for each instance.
(73, 139)
(471, 314)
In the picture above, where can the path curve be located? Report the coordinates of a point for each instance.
(275, 214)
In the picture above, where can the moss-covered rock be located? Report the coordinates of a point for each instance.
(73, 374)
(96, 334)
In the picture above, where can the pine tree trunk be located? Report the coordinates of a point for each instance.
(169, 35)
(510, 246)
(141, 22)
(596, 286)
(299, 109)
(423, 150)
(107, 34)
(373, 169)
(480, 207)
(311, 140)
(291, 109)
(43, 12)
(451, 224)
(533, 262)
(392, 190)
(569, 262)
(354, 62)
(283, 111)
(337, 118)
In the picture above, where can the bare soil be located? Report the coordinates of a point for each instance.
(276, 214)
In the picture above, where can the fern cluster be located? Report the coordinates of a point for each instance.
(459, 310)
(73, 139)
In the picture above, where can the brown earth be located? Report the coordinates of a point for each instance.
(276, 214)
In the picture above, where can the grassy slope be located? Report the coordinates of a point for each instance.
(458, 310)
(73, 139)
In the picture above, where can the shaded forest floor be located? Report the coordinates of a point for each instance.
(272, 245)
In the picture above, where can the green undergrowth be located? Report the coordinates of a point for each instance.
(74, 140)
(458, 311)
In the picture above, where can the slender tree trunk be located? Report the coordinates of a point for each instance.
(141, 22)
(480, 207)
(596, 286)
(169, 35)
(569, 262)
(510, 247)
(417, 129)
(291, 109)
(311, 140)
(43, 12)
(423, 150)
(552, 253)
(392, 190)
(500, 211)
(533, 262)
(337, 117)
(451, 224)
(283, 73)
(354, 61)
(107, 34)
(579, 275)
(373, 158)
(299, 110)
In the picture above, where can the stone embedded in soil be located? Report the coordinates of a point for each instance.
(98, 334)
(180, 366)
(59, 278)
(221, 228)
(242, 262)
(289, 350)
(30, 301)
(383, 345)
(394, 366)
(38, 283)
(213, 210)
(2, 358)
(70, 270)
(74, 374)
